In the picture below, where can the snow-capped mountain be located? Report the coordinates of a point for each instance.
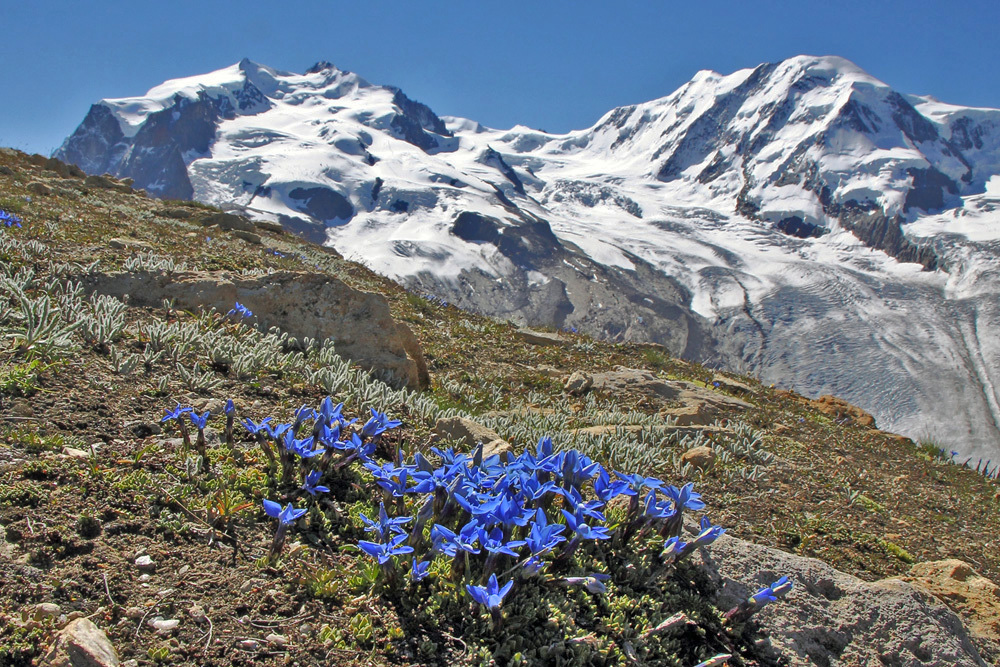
(800, 220)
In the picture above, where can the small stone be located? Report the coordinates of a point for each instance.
(305, 629)
(162, 625)
(73, 615)
(699, 457)
(578, 383)
(248, 644)
(144, 577)
(75, 453)
(45, 610)
(135, 613)
(197, 613)
(184, 570)
(145, 563)
(276, 640)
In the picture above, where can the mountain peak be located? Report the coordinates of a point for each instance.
(321, 66)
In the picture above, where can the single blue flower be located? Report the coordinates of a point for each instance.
(584, 531)
(605, 489)
(287, 516)
(771, 593)
(378, 423)
(175, 413)
(330, 412)
(684, 498)
(384, 551)
(230, 407)
(492, 594)
(419, 570)
(254, 428)
(385, 526)
(708, 534)
(543, 535)
(495, 543)
(200, 421)
(311, 483)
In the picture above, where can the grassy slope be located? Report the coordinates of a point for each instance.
(861, 500)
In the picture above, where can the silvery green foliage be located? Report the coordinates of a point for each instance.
(150, 261)
(150, 356)
(123, 363)
(39, 329)
(196, 379)
(105, 321)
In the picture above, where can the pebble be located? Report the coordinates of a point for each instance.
(248, 644)
(197, 612)
(73, 615)
(45, 610)
(163, 626)
(145, 563)
(135, 613)
(184, 570)
(276, 640)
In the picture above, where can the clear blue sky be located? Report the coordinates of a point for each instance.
(550, 64)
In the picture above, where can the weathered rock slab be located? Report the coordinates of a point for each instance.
(302, 304)
(832, 618)
(687, 393)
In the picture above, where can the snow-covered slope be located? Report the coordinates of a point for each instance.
(800, 220)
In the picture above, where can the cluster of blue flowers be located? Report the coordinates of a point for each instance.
(529, 513)
(517, 517)
(9, 219)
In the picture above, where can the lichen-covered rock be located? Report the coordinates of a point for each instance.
(578, 383)
(701, 458)
(81, 644)
(838, 408)
(974, 597)
(835, 619)
(302, 304)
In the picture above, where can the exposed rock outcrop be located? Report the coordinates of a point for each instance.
(303, 304)
(834, 619)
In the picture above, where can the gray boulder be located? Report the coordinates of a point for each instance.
(835, 619)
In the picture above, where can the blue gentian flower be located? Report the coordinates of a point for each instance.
(684, 498)
(771, 593)
(378, 423)
(241, 310)
(543, 535)
(576, 523)
(492, 594)
(311, 483)
(230, 407)
(175, 413)
(384, 551)
(200, 421)
(9, 219)
(254, 428)
(419, 570)
(286, 516)
(385, 526)
(708, 534)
